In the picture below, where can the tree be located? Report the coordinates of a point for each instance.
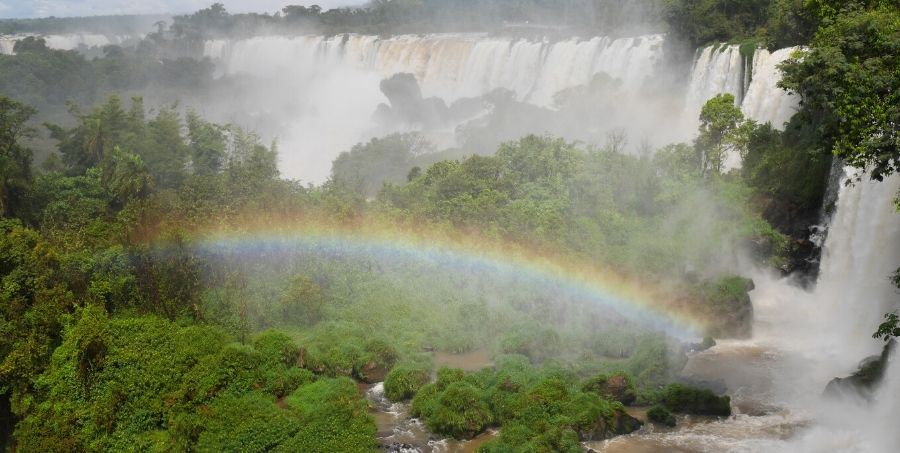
(366, 167)
(302, 302)
(850, 84)
(723, 130)
(96, 134)
(889, 329)
(124, 176)
(15, 159)
(207, 145)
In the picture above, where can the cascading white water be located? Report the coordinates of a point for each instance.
(7, 45)
(722, 69)
(828, 331)
(457, 66)
(333, 82)
(717, 70)
(765, 102)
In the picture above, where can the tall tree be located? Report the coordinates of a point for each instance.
(15, 158)
(849, 80)
(723, 130)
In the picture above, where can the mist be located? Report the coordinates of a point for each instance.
(557, 198)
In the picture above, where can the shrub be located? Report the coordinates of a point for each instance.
(249, 423)
(334, 418)
(459, 412)
(403, 381)
(617, 386)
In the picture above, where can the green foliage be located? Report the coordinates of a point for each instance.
(659, 414)
(705, 21)
(889, 329)
(617, 387)
(848, 79)
(367, 167)
(786, 167)
(458, 411)
(247, 423)
(684, 399)
(339, 350)
(48, 78)
(302, 302)
(33, 301)
(405, 380)
(541, 409)
(136, 383)
(723, 131)
(536, 343)
(15, 158)
(424, 16)
(335, 418)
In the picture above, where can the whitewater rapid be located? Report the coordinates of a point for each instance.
(802, 340)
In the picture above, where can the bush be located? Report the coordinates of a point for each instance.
(249, 423)
(659, 414)
(277, 348)
(403, 381)
(683, 399)
(617, 386)
(459, 412)
(334, 418)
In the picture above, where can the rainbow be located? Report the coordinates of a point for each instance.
(451, 249)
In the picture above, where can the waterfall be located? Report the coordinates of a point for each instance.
(824, 333)
(765, 102)
(328, 87)
(7, 45)
(722, 69)
(454, 66)
(717, 70)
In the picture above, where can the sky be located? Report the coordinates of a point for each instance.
(64, 8)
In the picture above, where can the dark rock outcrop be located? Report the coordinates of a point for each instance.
(689, 400)
(865, 380)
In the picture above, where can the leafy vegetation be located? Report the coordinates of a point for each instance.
(659, 414)
(688, 400)
(128, 324)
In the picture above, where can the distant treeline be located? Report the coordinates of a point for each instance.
(114, 25)
(429, 16)
(774, 23)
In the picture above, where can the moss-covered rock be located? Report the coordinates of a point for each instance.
(865, 379)
(689, 400)
(617, 386)
(659, 414)
(723, 306)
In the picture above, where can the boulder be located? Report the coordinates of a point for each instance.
(864, 381)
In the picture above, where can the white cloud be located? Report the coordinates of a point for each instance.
(63, 8)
